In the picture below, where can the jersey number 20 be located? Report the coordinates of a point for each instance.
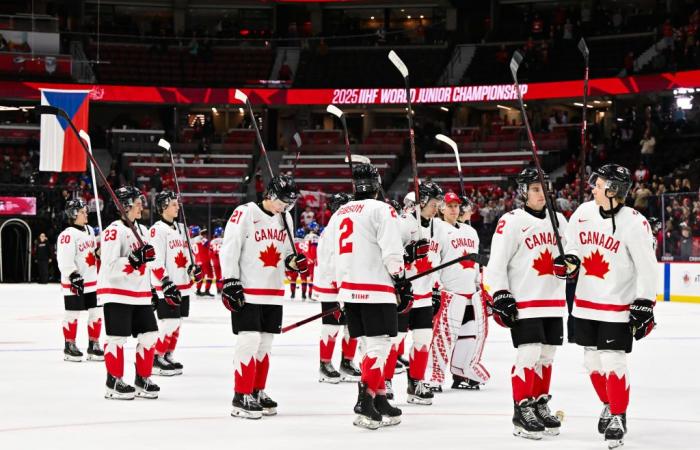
(346, 230)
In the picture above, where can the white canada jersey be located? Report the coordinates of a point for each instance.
(616, 269)
(172, 257)
(325, 288)
(75, 252)
(118, 281)
(367, 251)
(254, 249)
(455, 241)
(523, 249)
(422, 287)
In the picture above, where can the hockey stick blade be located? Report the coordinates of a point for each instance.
(515, 62)
(297, 139)
(453, 146)
(360, 159)
(583, 48)
(396, 61)
(337, 112)
(240, 96)
(86, 137)
(165, 145)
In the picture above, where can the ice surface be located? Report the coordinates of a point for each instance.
(46, 403)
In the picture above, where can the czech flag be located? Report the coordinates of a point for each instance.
(60, 149)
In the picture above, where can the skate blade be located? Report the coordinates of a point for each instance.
(534, 435)
(551, 431)
(95, 358)
(400, 370)
(365, 422)
(466, 388)
(243, 414)
(329, 380)
(419, 401)
(164, 373)
(269, 411)
(615, 443)
(140, 393)
(390, 421)
(72, 358)
(347, 378)
(118, 396)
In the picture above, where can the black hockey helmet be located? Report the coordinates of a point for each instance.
(366, 178)
(162, 200)
(127, 195)
(337, 200)
(284, 189)
(655, 224)
(526, 177)
(618, 179)
(73, 206)
(428, 190)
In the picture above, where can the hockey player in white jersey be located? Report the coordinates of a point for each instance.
(171, 276)
(369, 273)
(124, 288)
(460, 327)
(75, 255)
(529, 298)
(254, 254)
(326, 292)
(616, 290)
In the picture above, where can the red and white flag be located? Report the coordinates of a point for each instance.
(60, 149)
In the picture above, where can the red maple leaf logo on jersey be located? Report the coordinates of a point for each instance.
(180, 260)
(159, 272)
(423, 264)
(467, 264)
(270, 256)
(90, 259)
(595, 265)
(129, 270)
(544, 264)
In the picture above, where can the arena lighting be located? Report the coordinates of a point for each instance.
(371, 18)
(241, 111)
(445, 109)
(503, 107)
(581, 104)
(214, 110)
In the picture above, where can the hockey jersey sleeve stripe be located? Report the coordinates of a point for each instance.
(600, 306)
(419, 296)
(125, 292)
(541, 304)
(87, 284)
(253, 291)
(323, 290)
(366, 287)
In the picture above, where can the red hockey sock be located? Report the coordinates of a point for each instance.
(207, 286)
(293, 287)
(600, 386)
(311, 289)
(172, 343)
(372, 374)
(417, 362)
(244, 377)
(162, 345)
(349, 346)
(303, 289)
(326, 348)
(522, 382)
(94, 330)
(219, 285)
(401, 349)
(70, 330)
(261, 368)
(199, 286)
(618, 393)
(114, 360)
(542, 381)
(390, 365)
(144, 360)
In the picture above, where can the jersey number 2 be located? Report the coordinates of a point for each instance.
(346, 228)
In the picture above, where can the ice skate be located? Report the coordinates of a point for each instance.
(616, 430)
(116, 389)
(418, 392)
(246, 407)
(269, 406)
(391, 415)
(525, 421)
(544, 414)
(349, 371)
(94, 352)
(145, 388)
(328, 374)
(71, 352)
(163, 368)
(368, 416)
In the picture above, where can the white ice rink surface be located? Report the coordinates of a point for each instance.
(46, 403)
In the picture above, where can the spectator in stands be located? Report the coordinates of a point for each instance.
(647, 147)
(641, 175)
(285, 72)
(156, 181)
(685, 243)
(502, 56)
(6, 174)
(641, 198)
(307, 216)
(568, 33)
(537, 26)
(42, 251)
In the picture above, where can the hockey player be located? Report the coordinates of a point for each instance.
(459, 330)
(529, 298)
(369, 272)
(310, 253)
(615, 291)
(254, 255)
(171, 276)
(214, 250)
(124, 288)
(293, 275)
(326, 292)
(419, 320)
(75, 255)
(200, 250)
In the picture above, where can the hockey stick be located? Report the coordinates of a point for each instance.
(477, 258)
(339, 114)
(165, 145)
(240, 96)
(297, 140)
(584, 122)
(86, 137)
(514, 65)
(55, 111)
(401, 67)
(453, 146)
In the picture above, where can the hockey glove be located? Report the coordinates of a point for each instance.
(195, 272)
(171, 293)
(416, 250)
(505, 312)
(77, 284)
(142, 255)
(232, 295)
(297, 263)
(641, 318)
(436, 301)
(404, 293)
(566, 266)
(154, 299)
